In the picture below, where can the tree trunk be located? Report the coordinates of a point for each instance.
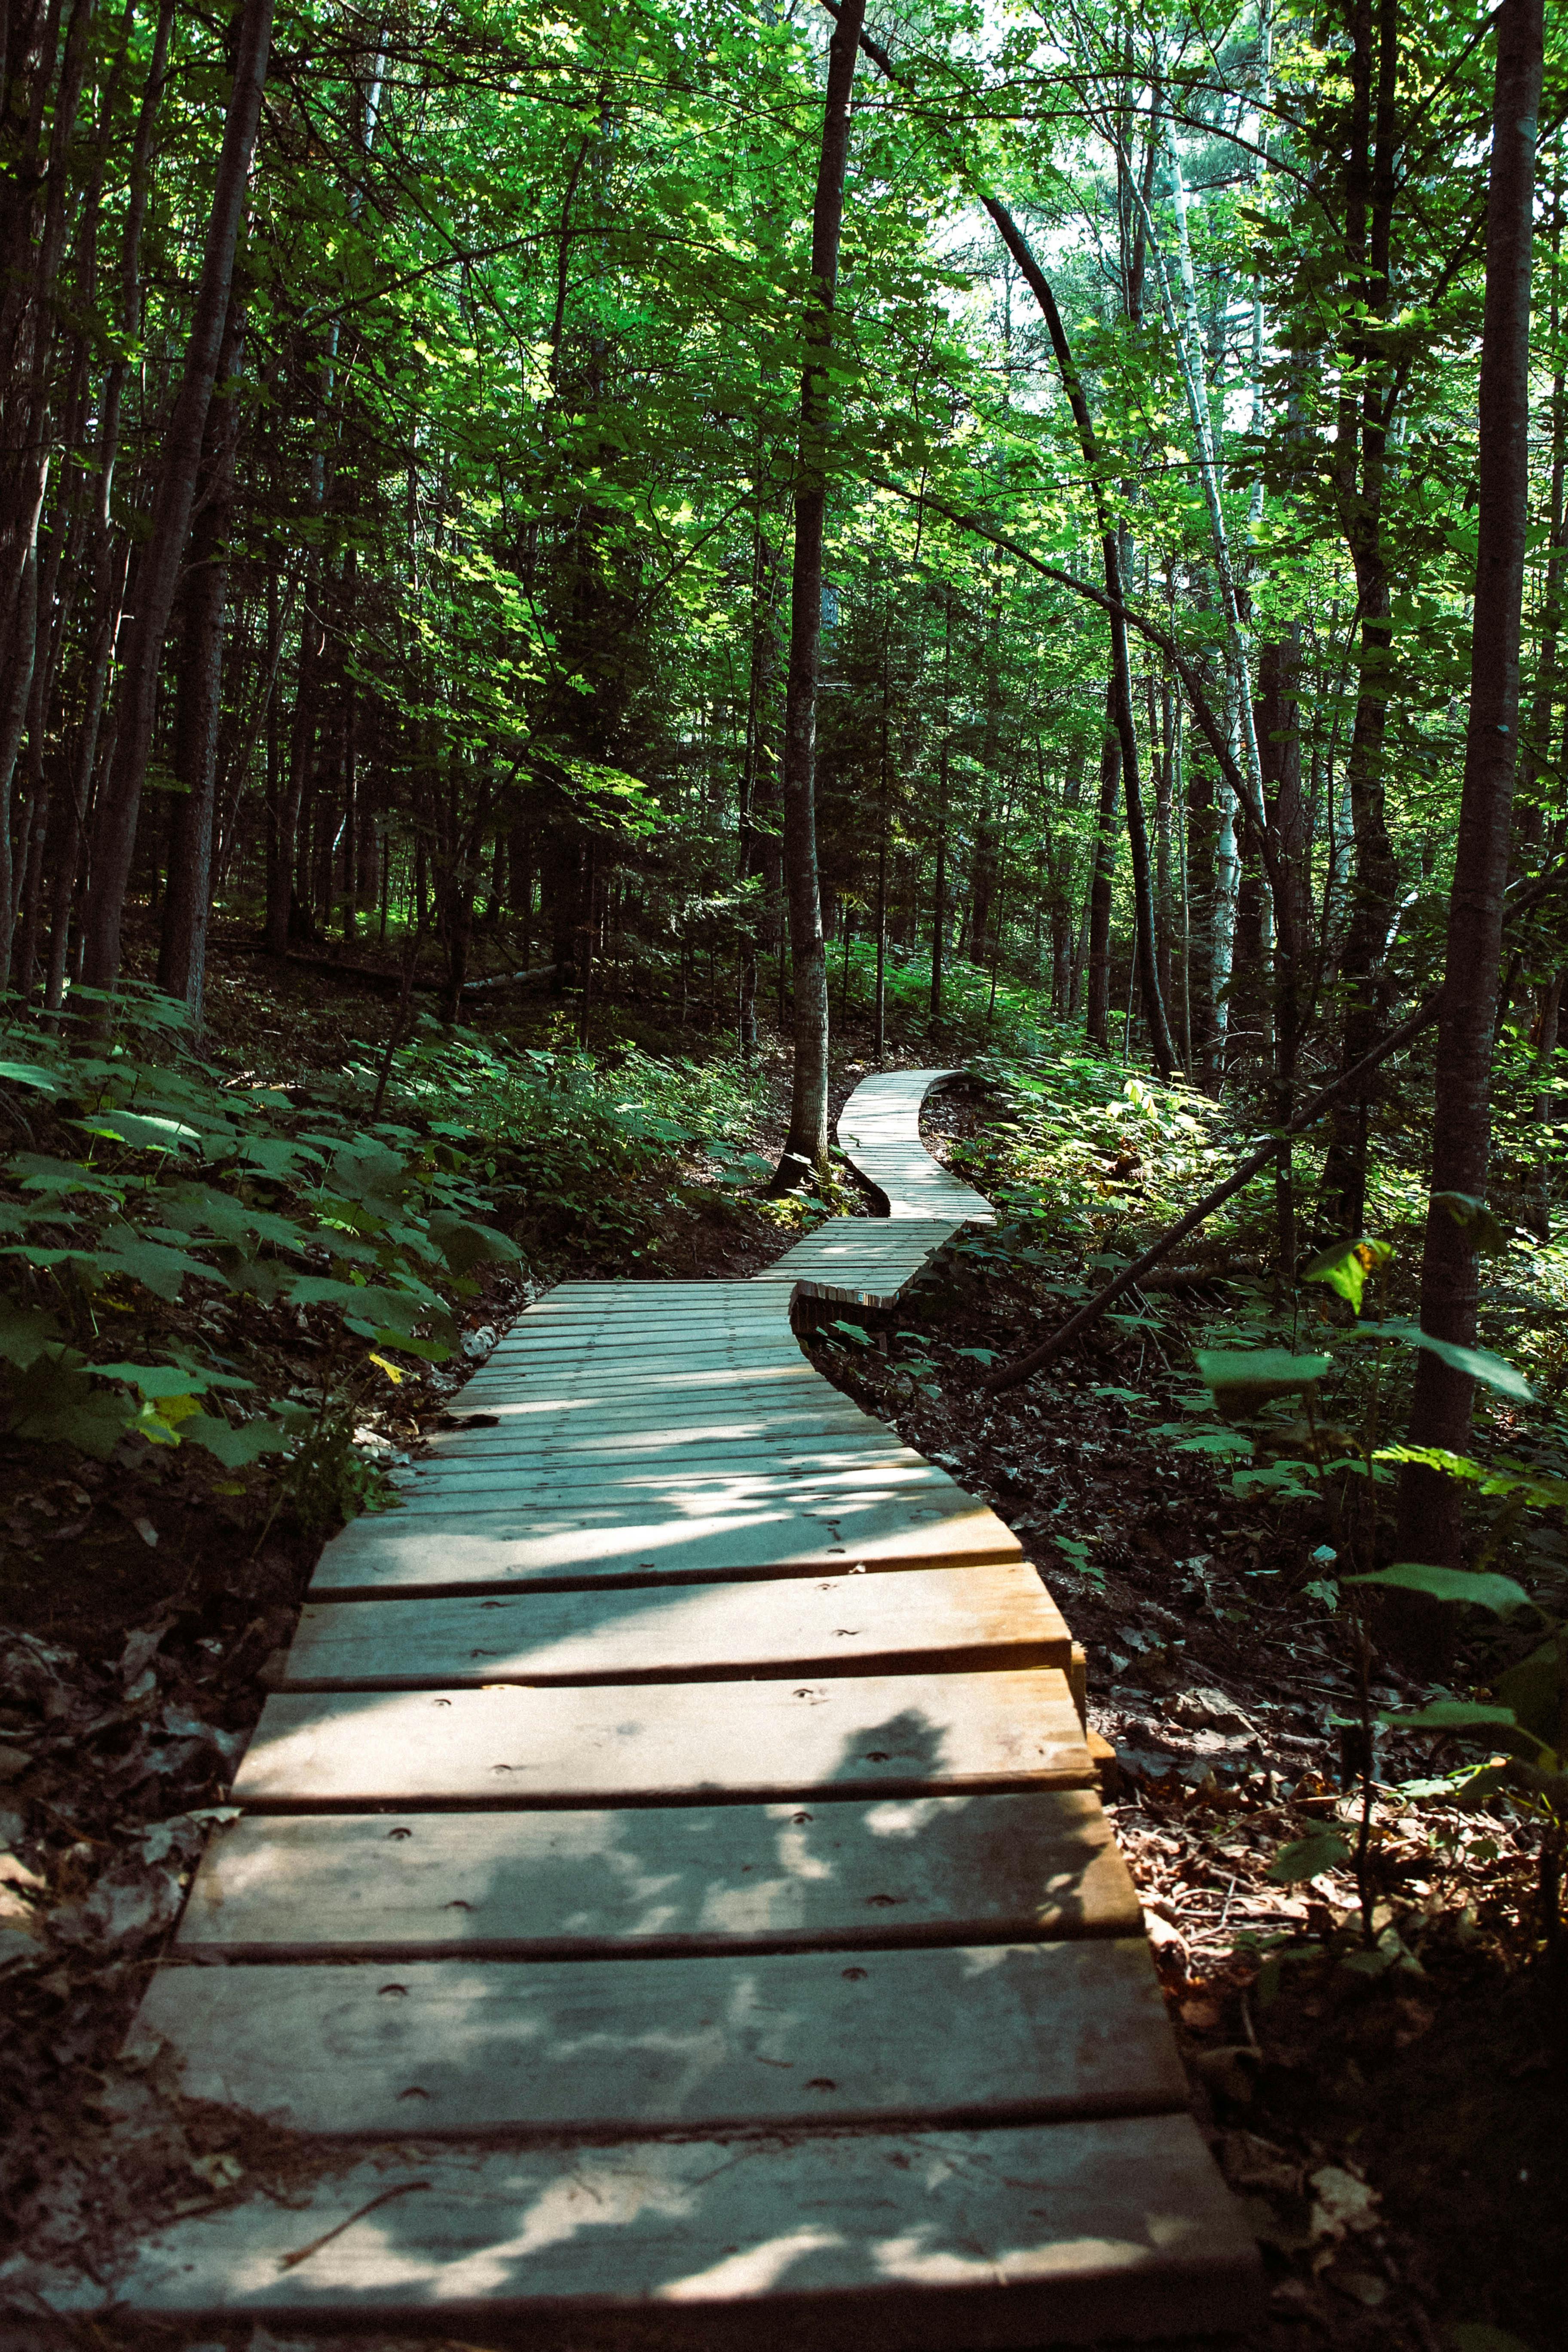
(1096, 1021)
(1430, 1504)
(182, 949)
(157, 574)
(1359, 469)
(807, 1145)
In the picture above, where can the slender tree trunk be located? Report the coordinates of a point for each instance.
(182, 949)
(807, 1145)
(1097, 1020)
(1358, 470)
(1430, 1504)
(157, 574)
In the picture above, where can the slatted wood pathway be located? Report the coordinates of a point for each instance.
(671, 1871)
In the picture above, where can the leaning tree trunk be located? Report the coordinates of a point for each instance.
(158, 572)
(807, 1145)
(1429, 1504)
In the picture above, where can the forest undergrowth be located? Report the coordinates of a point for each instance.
(1384, 2093)
(1384, 2090)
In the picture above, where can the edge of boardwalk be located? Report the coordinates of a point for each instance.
(1000, 2154)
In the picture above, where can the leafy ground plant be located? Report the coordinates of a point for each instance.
(151, 1181)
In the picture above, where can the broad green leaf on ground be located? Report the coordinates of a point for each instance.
(1501, 1594)
(1479, 1362)
(236, 1448)
(1320, 1850)
(1450, 1715)
(54, 1401)
(1244, 1380)
(25, 1332)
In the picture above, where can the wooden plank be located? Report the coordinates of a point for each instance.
(674, 1366)
(962, 1618)
(940, 2035)
(768, 1457)
(930, 2241)
(665, 1743)
(922, 1522)
(878, 1130)
(516, 1438)
(662, 1879)
(524, 1413)
(699, 1488)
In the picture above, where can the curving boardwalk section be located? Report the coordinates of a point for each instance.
(671, 1896)
(879, 1130)
(869, 1261)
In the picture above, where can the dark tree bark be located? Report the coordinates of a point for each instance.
(1430, 1504)
(807, 1145)
(1359, 468)
(1096, 1019)
(187, 900)
(33, 69)
(158, 571)
(1279, 756)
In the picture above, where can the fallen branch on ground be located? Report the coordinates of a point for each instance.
(1009, 1376)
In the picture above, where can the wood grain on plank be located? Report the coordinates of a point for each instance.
(938, 2241)
(949, 1617)
(672, 1471)
(665, 1743)
(803, 1534)
(699, 1491)
(939, 2034)
(662, 1878)
(541, 1424)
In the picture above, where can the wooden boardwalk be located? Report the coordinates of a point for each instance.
(671, 1882)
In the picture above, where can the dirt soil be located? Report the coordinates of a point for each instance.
(1397, 2136)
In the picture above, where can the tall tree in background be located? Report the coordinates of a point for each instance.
(158, 568)
(1429, 1503)
(807, 1145)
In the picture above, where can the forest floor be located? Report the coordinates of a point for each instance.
(1397, 2135)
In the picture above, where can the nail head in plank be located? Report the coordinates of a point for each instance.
(662, 1878)
(667, 1743)
(416, 1553)
(943, 2034)
(947, 1619)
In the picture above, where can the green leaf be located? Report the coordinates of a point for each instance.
(55, 1402)
(1479, 1362)
(1450, 1715)
(25, 1332)
(1244, 1380)
(1533, 1689)
(1475, 1220)
(1551, 1492)
(135, 1127)
(1348, 1266)
(980, 1355)
(1501, 1594)
(855, 1332)
(28, 1073)
(235, 1447)
(464, 1243)
(162, 1271)
(1320, 1850)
